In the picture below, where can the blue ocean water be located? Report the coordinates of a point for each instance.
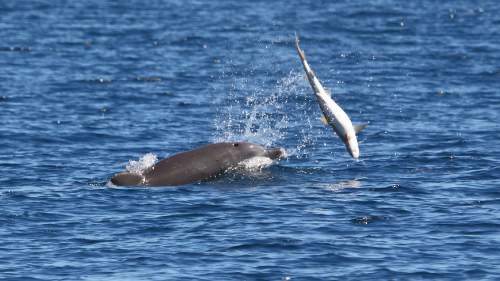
(87, 86)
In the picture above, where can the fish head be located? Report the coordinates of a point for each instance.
(351, 144)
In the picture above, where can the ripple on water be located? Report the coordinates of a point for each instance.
(89, 86)
(365, 220)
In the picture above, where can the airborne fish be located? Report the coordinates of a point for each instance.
(333, 114)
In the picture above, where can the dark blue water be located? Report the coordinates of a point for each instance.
(87, 87)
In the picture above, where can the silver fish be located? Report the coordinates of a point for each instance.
(333, 113)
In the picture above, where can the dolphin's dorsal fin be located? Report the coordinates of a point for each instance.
(359, 127)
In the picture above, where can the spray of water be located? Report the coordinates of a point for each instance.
(252, 107)
(145, 162)
(271, 116)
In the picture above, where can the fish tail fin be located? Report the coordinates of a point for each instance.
(301, 53)
(311, 76)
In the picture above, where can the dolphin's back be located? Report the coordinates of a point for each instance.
(190, 166)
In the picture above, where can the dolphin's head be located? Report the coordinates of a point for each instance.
(276, 153)
(248, 150)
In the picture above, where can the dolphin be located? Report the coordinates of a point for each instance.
(333, 114)
(195, 165)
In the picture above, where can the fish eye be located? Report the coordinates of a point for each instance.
(236, 144)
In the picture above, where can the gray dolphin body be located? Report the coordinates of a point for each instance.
(199, 164)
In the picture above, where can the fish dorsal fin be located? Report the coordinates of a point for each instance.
(323, 120)
(359, 127)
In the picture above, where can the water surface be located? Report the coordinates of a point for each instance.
(87, 87)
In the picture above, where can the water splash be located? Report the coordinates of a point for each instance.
(145, 162)
(342, 185)
(255, 163)
(265, 115)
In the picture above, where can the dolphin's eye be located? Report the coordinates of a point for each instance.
(235, 144)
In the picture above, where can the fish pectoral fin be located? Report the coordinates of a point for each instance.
(359, 127)
(324, 120)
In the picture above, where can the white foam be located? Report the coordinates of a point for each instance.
(110, 184)
(145, 162)
(341, 185)
(255, 163)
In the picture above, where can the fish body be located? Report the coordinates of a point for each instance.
(334, 115)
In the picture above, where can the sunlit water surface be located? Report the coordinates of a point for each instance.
(87, 88)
